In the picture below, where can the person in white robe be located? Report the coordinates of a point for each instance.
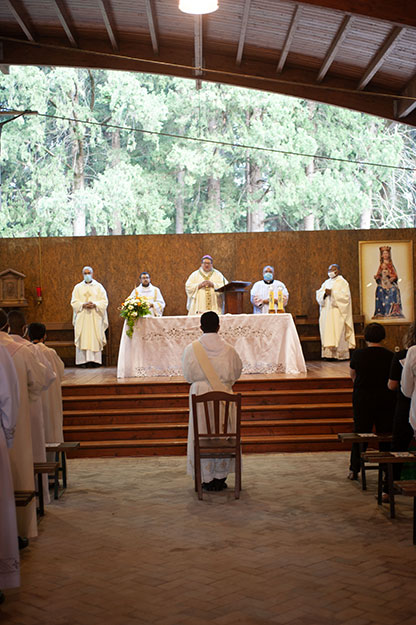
(31, 375)
(151, 293)
(89, 305)
(336, 325)
(200, 289)
(408, 384)
(17, 331)
(228, 366)
(52, 397)
(9, 409)
(260, 293)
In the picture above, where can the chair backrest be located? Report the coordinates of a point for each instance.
(220, 420)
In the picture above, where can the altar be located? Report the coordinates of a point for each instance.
(265, 343)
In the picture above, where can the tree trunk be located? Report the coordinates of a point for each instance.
(78, 164)
(115, 160)
(365, 221)
(179, 202)
(214, 204)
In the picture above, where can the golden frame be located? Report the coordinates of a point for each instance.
(386, 281)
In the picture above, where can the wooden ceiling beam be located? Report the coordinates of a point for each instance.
(289, 38)
(243, 31)
(63, 16)
(20, 19)
(334, 47)
(405, 107)
(106, 13)
(396, 11)
(380, 56)
(151, 20)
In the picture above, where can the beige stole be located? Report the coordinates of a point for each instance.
(206, 366)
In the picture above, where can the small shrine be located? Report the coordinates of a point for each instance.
(12, 289)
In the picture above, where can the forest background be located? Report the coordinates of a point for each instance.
(118, 175)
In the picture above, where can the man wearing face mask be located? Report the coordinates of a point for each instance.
(259, 294)
(151, 293)
(336, 324)
(89, 304)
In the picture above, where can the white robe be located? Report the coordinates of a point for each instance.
(202, 300)
(228, 366)
(52, 397)
(261, 289)
(90, 324)
(153, 295)
(31, 375)
(9, 409)
(408, 383)
(336, 324)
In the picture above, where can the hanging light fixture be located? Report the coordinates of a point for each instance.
(198, 7)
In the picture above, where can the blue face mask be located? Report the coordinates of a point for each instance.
(268, 276)
(88, 277)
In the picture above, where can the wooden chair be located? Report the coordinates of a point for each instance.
(221, 438)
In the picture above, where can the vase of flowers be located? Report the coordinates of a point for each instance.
(133, 308)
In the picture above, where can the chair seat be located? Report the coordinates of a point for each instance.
(217, 443)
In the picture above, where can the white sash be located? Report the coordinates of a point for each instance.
(207, 368)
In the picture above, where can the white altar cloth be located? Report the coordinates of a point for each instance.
(265, 344)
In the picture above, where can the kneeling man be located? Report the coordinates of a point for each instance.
(228, 366)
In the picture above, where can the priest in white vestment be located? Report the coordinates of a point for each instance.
(89, 305)
(336, 324)
(52, 397)
(150, 293)
(200, 289)
(9, 409)
(260, 293)
(228, 366)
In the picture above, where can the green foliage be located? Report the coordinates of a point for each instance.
(63, 176)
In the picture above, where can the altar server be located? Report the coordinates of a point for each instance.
(200, 288)
(336, 324)
(260, 293)
(9, 409)
(151, 293)
(228, 366)
(89, 304)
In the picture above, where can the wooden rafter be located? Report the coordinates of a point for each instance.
(334, 47)
(380, 56)
(405, 107)
(106, 14)
(397, 11)
(243, 31)
(289, 38)
(63, 16)
(151, 20)
(17, 13)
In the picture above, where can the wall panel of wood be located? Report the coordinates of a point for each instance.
(300, 259)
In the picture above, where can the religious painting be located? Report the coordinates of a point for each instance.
(386, 281)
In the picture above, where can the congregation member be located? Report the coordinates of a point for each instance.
(402, 430)
(209, 364)
(52, 397)
(151, 293)
(9, 408)
(336, 325)
(408, 384)
(200, 289)
(373, 403)
(260, 293)
(89, 305)
(31, 375)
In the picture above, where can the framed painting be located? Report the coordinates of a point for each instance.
(386, 281)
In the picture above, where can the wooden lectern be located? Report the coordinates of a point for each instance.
(233, 292)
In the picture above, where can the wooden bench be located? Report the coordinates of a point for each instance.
(60, 449)
(388, 458)
(364, 439)
(23, 497)
(408, 488)
(40, 468)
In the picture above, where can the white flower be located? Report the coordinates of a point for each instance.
(134, 314)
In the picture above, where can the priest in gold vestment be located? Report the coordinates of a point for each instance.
(200, 289)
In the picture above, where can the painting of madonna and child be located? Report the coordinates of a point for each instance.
(386, 281)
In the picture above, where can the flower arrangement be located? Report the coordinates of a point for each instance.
(133, 308)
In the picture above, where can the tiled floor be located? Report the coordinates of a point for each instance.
(129, 543)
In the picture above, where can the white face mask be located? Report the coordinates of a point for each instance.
(87, 277)
(332, 274)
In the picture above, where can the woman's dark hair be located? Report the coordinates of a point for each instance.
(409, 338)
(374, 333)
